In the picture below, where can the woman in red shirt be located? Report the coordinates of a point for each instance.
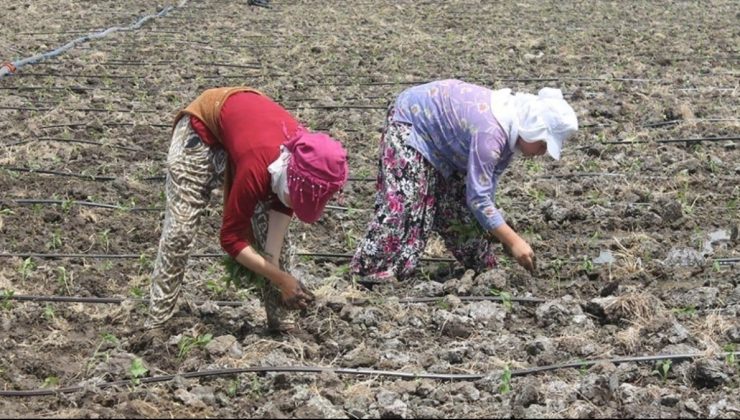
(271, 168)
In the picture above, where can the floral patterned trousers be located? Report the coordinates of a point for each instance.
(413, 199)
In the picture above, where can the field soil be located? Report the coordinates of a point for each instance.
(636, 236)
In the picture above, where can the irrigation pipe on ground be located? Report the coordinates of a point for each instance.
(11, 67)
(349, 371)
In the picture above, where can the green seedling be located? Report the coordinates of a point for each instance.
(240, 276)
(557, 266)
(67, 205)
(145, 263)
(662, 368)
(256, 387)
(730, 358)
(62, 278)
(505, 298)
(233, 387)
(716, 266)
(533, 166)
(50, 381)
(505, 386)
(137, 371)
(587, 265)
(6, 301)
(55, 242)
(341, 270)
(27, 267)
(186, 344)
(48, 313)
(686, 310)
(583, 370)
(105, 240)
(442, 304)
(215, 287)
(538, 195)
(137, 292)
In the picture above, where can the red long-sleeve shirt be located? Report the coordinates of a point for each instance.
(252, 129)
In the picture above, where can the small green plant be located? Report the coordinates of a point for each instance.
(50, 381)
(186, 344)
(48, 313)
(137, 370)
(341, 270)
(716, 266)
(145, 263)
(256, 387)
(241, 277)
(730, 358)
(137, 292)
(55, 242)
(686, 310)
(662, 368)
(533, 166)
(36, 209)
(442, 304)
(215, 287)
(505, 298)
(587, 265)
(27, 267)
(6, 301)
(583, 370)
(105, 240)
(505, 386)
(63, 278)
(233, 387)
(538, 195)
(557, 266)
(67, 205)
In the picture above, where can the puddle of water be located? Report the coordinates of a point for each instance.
(605, 257)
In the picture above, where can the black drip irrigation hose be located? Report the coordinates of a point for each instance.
(687, 141)
(369, 372)
(9, 68)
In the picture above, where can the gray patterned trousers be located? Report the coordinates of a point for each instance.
(193, 171)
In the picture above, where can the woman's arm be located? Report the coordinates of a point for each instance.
(519, 248)
(276, 229)
(293, 292)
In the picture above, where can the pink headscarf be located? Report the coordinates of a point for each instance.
(317, 170)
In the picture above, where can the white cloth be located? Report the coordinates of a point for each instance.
(544, 117)
(279, 175)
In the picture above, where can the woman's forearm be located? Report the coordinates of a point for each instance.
(252, 260)
(506, 235)
(277, 227)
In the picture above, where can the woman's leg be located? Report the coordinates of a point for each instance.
(461, 232)
(190, 174)
(404, 209)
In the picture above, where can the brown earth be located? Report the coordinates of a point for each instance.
(626, 234)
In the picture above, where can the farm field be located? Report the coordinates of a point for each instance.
(635, 229)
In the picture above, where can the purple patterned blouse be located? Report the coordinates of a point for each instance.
(455, 130)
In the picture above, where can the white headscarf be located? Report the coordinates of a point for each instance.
(279, 175)
(545, 117)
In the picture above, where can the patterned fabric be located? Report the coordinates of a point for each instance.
(193, 171)
(413, 199)
(454, 129)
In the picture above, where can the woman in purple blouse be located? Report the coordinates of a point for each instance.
(444, 146)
